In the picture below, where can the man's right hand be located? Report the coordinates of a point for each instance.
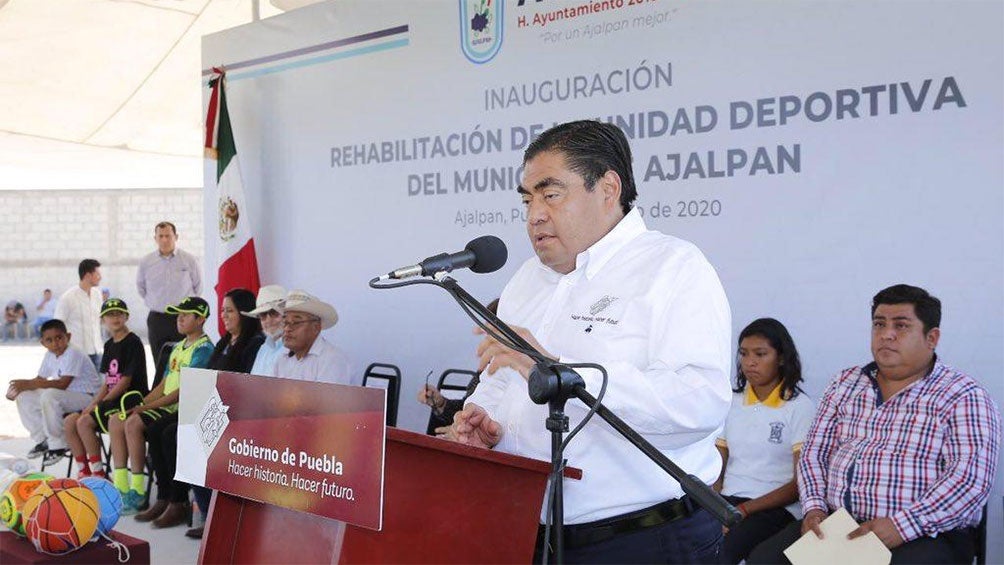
(472, 426)
(811, 522)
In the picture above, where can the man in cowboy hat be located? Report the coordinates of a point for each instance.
(310, 357)
(270, 300)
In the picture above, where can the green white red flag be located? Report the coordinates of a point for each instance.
(238, 263)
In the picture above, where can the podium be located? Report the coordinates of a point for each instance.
(443, 503)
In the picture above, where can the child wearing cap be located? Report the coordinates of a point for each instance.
(159, 410)
(123, 364)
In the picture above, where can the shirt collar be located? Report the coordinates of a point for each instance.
(871, 371)
(598, 254)
(773, 400)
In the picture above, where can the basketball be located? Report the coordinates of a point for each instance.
(109, 500)
(61, 516)
(13, 499)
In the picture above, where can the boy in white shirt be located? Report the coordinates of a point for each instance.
(66, 382)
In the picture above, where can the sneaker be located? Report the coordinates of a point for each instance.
(38, 450)
(195, 533)
(131, 501)
(53, 456)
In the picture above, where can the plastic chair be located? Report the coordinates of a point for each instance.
(392, 375)
(443, 385)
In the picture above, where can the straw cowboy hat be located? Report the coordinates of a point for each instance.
(300, 301)
(270, 297)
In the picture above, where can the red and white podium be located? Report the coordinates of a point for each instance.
(443, 503)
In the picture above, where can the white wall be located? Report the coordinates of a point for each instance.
(52, 230)
(899, 196)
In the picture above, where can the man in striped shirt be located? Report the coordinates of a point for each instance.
(906, 444)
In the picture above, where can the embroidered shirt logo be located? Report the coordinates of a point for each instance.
(775, 432)
(602, 304)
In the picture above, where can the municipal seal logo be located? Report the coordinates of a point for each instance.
(481, 23)
(229, 214)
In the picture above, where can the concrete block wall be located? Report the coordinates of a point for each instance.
(45, 234)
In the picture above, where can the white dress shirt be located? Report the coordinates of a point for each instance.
(81, 312)
(324, 362)
(650, 309)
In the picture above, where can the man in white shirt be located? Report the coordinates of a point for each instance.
(80, 309)
(646, 306)
(308, 356)
(164, 278)
(270, 300)
(66, 382)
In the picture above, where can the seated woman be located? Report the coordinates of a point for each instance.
(762, 439)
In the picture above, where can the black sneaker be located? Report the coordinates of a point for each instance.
(53, 456)
(38, 450)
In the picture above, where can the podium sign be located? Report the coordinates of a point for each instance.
(312, 447)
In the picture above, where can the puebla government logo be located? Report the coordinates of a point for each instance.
(481, 24)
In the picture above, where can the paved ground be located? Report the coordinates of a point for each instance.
(22, 361)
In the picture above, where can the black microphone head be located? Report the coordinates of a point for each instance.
(490, 253)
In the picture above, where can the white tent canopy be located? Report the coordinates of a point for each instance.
(105, 93)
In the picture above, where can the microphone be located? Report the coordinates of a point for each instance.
(484, 254)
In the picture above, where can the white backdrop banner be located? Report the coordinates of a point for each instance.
(816, 152)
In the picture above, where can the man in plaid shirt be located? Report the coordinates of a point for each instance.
(907, 445)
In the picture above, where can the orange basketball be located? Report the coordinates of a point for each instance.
(61, 516)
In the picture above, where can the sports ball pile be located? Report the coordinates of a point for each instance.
(59, 515)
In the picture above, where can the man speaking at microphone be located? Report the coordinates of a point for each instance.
(650, 309)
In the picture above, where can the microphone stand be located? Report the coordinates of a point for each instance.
(554, 383)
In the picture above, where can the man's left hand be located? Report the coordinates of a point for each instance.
(494, 355)
(883, 528)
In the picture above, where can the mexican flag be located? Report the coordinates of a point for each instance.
(238, 264)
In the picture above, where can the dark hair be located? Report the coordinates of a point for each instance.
(789, 364)
(926, 307)
(229, 356)
(161, 225)
(53, 324)
(86, 267)
(591, 149)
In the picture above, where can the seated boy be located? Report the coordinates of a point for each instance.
(66, 382)
(124, 366)
(159, 409)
